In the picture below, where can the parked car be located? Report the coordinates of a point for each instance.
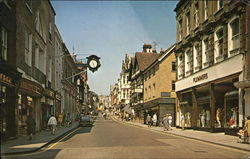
(86, 120)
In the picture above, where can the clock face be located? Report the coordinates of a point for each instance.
(93, 64)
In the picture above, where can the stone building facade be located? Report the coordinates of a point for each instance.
(211, 47)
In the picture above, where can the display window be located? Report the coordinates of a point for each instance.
(232, 110)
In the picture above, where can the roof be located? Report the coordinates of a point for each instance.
(145, 59)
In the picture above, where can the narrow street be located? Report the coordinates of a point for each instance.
(109, 139)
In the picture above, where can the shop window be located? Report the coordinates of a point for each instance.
(3, 43)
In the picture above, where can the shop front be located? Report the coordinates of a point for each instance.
(209, 101)
(160, 107)
(29, 103)
(48, 107)
(9, 83)
(58, 110)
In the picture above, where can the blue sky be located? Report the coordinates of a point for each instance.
(110, 29)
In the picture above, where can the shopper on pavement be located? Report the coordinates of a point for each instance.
(170, 119)
(52, 123)
(149, 120)
(68, 120)
(154, 119)
(31, 126)
(247, 127)
(165, 123)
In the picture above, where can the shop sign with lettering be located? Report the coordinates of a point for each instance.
(200, 78)
(5, 79)
(31, 87)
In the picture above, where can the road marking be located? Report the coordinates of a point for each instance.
(50, 147)
(197, 140)
(43, 149)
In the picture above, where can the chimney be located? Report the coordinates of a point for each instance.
(147, 48)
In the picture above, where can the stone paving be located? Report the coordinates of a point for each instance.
(22, 144)
(214, 138)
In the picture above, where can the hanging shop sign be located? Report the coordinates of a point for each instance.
(6, 79)
(200, 77)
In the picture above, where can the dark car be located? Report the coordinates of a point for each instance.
(86, 121)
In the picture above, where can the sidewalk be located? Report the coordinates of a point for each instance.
(214, 138)
(40, 140)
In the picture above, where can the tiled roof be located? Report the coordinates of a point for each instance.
(145, 59)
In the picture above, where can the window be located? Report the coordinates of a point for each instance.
(188, 59)
(219, 4)
(180, 66)
(28, 47)
(197, 57)
(188, 22)
(180, 29)
(205, 52)
(173, 66)
(38, 23)
(196, 14)
(154, 90)
(235, 28)
(173, 85)
(3, 43)
(206, 9)
(50, 32)
(218, 43)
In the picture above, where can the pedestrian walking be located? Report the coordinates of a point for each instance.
(247, 127)
(170, 119)
(165, 123)
(149, 120)
(31, 126)
(68, 120)
(154, 119)
(52, 123)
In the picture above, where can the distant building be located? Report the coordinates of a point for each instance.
(139, 63)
